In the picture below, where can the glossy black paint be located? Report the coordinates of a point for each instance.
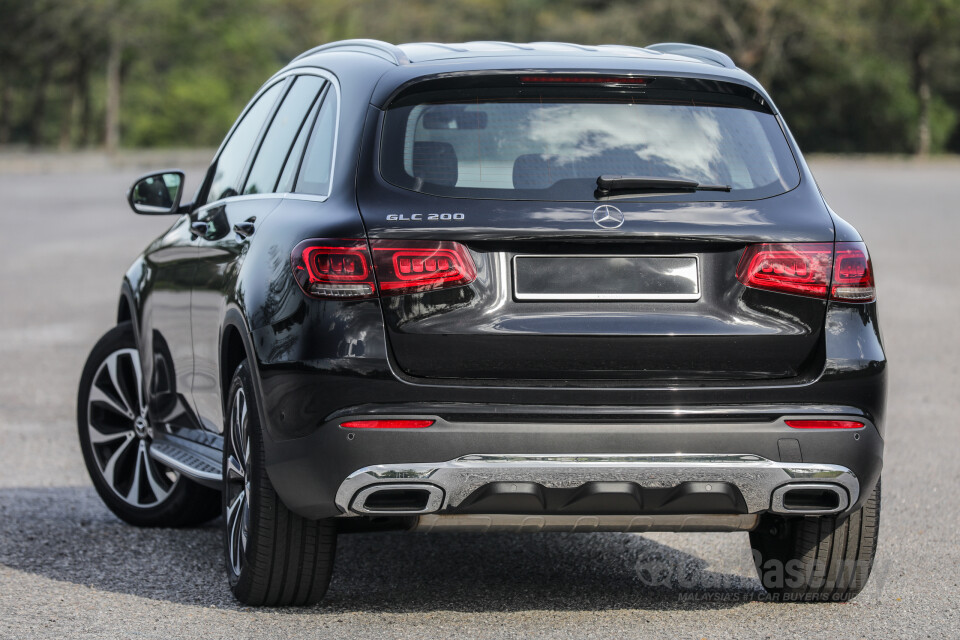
(714, 375)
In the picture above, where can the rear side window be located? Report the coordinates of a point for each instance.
(553, 143)
(318, 161)
(289, 173)
(233, 157)
(283, 129)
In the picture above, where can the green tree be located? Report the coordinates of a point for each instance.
(858, 75)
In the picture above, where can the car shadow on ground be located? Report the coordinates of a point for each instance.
(67, 534)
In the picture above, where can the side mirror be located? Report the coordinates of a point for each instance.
(157, 193)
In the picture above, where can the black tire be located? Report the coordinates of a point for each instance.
(274, 557)
(817, 559)
(114, 426)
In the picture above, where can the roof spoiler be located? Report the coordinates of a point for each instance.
(694, 51)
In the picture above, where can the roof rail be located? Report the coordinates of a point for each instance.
(694, 51)
(389, 52)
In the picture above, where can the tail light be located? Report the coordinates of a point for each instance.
(344, 270)
(791, 268)
(852, 274)
(824, 424)
(408, 266)
(810, 269)
(336, 269)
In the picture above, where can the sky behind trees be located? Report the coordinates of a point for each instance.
(869, 76)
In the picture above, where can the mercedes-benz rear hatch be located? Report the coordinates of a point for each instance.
(594, 229)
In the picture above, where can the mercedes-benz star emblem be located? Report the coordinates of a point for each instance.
(608, 217)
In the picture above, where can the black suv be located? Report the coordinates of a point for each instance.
(494, 286)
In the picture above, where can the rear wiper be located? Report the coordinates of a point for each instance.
(608, 184)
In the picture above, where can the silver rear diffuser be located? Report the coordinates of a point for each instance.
(765, 485)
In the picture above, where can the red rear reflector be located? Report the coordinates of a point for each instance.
(583, 80)
(810, 269)
(407, 266)
(387, 424)
(824, 424)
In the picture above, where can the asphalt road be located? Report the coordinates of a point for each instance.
(70, 569)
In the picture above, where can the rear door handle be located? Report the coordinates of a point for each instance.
(244, 229)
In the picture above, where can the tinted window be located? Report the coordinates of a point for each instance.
(315, 172)
(553, 145)
(233, 158)
(292, 163)
(283, 129)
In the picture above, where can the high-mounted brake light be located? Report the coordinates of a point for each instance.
(824, 424)
(344, 270)
(387, 424)
(810, 269)
(586, 79)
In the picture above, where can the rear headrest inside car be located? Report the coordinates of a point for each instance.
(435, 162)
(531, 171)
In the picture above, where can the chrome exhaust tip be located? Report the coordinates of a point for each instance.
(807, 498)
(398, 499)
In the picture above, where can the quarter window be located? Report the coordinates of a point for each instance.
(276, 143)
(315, 173)
(233, 158)
(289, 173)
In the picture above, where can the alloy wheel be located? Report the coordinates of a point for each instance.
(238, 482)
(120, 433)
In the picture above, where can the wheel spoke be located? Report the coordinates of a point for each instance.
(234, 428)
(153, 476)
(112, 362)
(243, 419)
(139, 385)
(97, 395)
(235, 469)
(245, 519)
(100, 437)
(109, 469)
(233, 510)
(235, 534)
(134, 494)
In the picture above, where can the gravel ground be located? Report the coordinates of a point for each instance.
(70, 569)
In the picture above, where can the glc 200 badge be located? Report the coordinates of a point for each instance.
(424, 217)
(608, 217)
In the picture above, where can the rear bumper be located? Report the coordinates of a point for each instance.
(598, 484)
(640, 467)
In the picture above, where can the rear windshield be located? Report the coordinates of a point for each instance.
(551, 144)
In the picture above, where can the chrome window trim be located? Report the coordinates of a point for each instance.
(605, 296)
(336, 132)
(282, 195)
(281, 77)
(310, 197)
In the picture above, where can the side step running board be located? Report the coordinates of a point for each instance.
(194, 460)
